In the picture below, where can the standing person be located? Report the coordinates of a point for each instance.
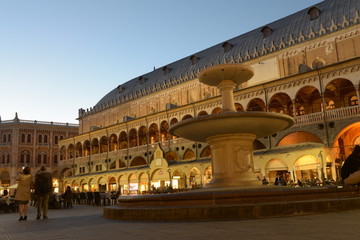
(43, 189)
(68, 197)
(350, 171)
(23, 192)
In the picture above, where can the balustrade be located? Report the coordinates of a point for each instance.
(333, 114)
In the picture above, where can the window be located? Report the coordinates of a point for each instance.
(29, 138)
(266, 31)
(56, 139)
(4, 138)
(120, 88)
(40, 139)
(23, 136)
(9, 138)
(55, 160)
(301, 111)
(166, 70)
(314, 13)
(227, 46)
(28, 158)
(45, 138)
(45, 161)
(39, 159)
(142, 80)
(354, 101)
(194, 59)
(331, 105)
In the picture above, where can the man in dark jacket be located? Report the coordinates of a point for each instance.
(43, 189)
(350, 171)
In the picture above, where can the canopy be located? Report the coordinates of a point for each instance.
(13, 186)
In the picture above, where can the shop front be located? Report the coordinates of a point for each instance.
(133, 185)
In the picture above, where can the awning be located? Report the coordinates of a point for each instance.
(13, 186)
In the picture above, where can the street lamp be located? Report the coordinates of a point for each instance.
(320, 156)
(169, 171)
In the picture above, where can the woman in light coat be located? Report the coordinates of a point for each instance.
(25, 180)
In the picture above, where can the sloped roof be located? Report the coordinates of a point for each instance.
(288, 31)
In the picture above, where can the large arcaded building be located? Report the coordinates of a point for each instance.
(306, 65)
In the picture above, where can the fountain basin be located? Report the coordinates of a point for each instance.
(237, 73)
(235, 203)
(260, 124)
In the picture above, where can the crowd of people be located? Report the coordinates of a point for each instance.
(43, 197)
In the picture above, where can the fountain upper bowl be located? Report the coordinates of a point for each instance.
(236, 72)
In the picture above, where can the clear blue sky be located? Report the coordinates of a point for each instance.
(59, 56)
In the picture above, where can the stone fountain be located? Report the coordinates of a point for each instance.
(235, 192)
(230, 134)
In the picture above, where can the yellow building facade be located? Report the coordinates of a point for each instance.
(306, 65)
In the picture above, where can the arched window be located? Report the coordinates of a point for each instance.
(28, 140)
(23, 137)
(40, 139)
(354, 101)
(39, 159)
(331, 105)
(45, 161)
(56, 139)
(45, 138)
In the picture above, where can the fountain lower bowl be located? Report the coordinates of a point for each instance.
(260, 124)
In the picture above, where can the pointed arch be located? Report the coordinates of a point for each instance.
(189, 154)
(206, 152)
(138, 161)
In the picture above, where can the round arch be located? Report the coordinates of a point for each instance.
(307, 100)
(306, 168)
(256, 104)
(195, 178)
(275, 167)
(298, 137)
(216, 110)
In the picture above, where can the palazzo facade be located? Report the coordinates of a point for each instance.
(306, 65)
(27, 143)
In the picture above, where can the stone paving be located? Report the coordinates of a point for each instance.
(86, 222)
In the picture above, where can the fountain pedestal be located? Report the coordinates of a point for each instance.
(232, 160)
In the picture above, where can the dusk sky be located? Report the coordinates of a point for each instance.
(59, 56)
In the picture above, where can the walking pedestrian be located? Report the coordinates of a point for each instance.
(22, 196)
(43, 189)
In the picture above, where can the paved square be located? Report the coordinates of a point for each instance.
(86, 222)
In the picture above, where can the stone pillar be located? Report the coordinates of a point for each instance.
(226, 88)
